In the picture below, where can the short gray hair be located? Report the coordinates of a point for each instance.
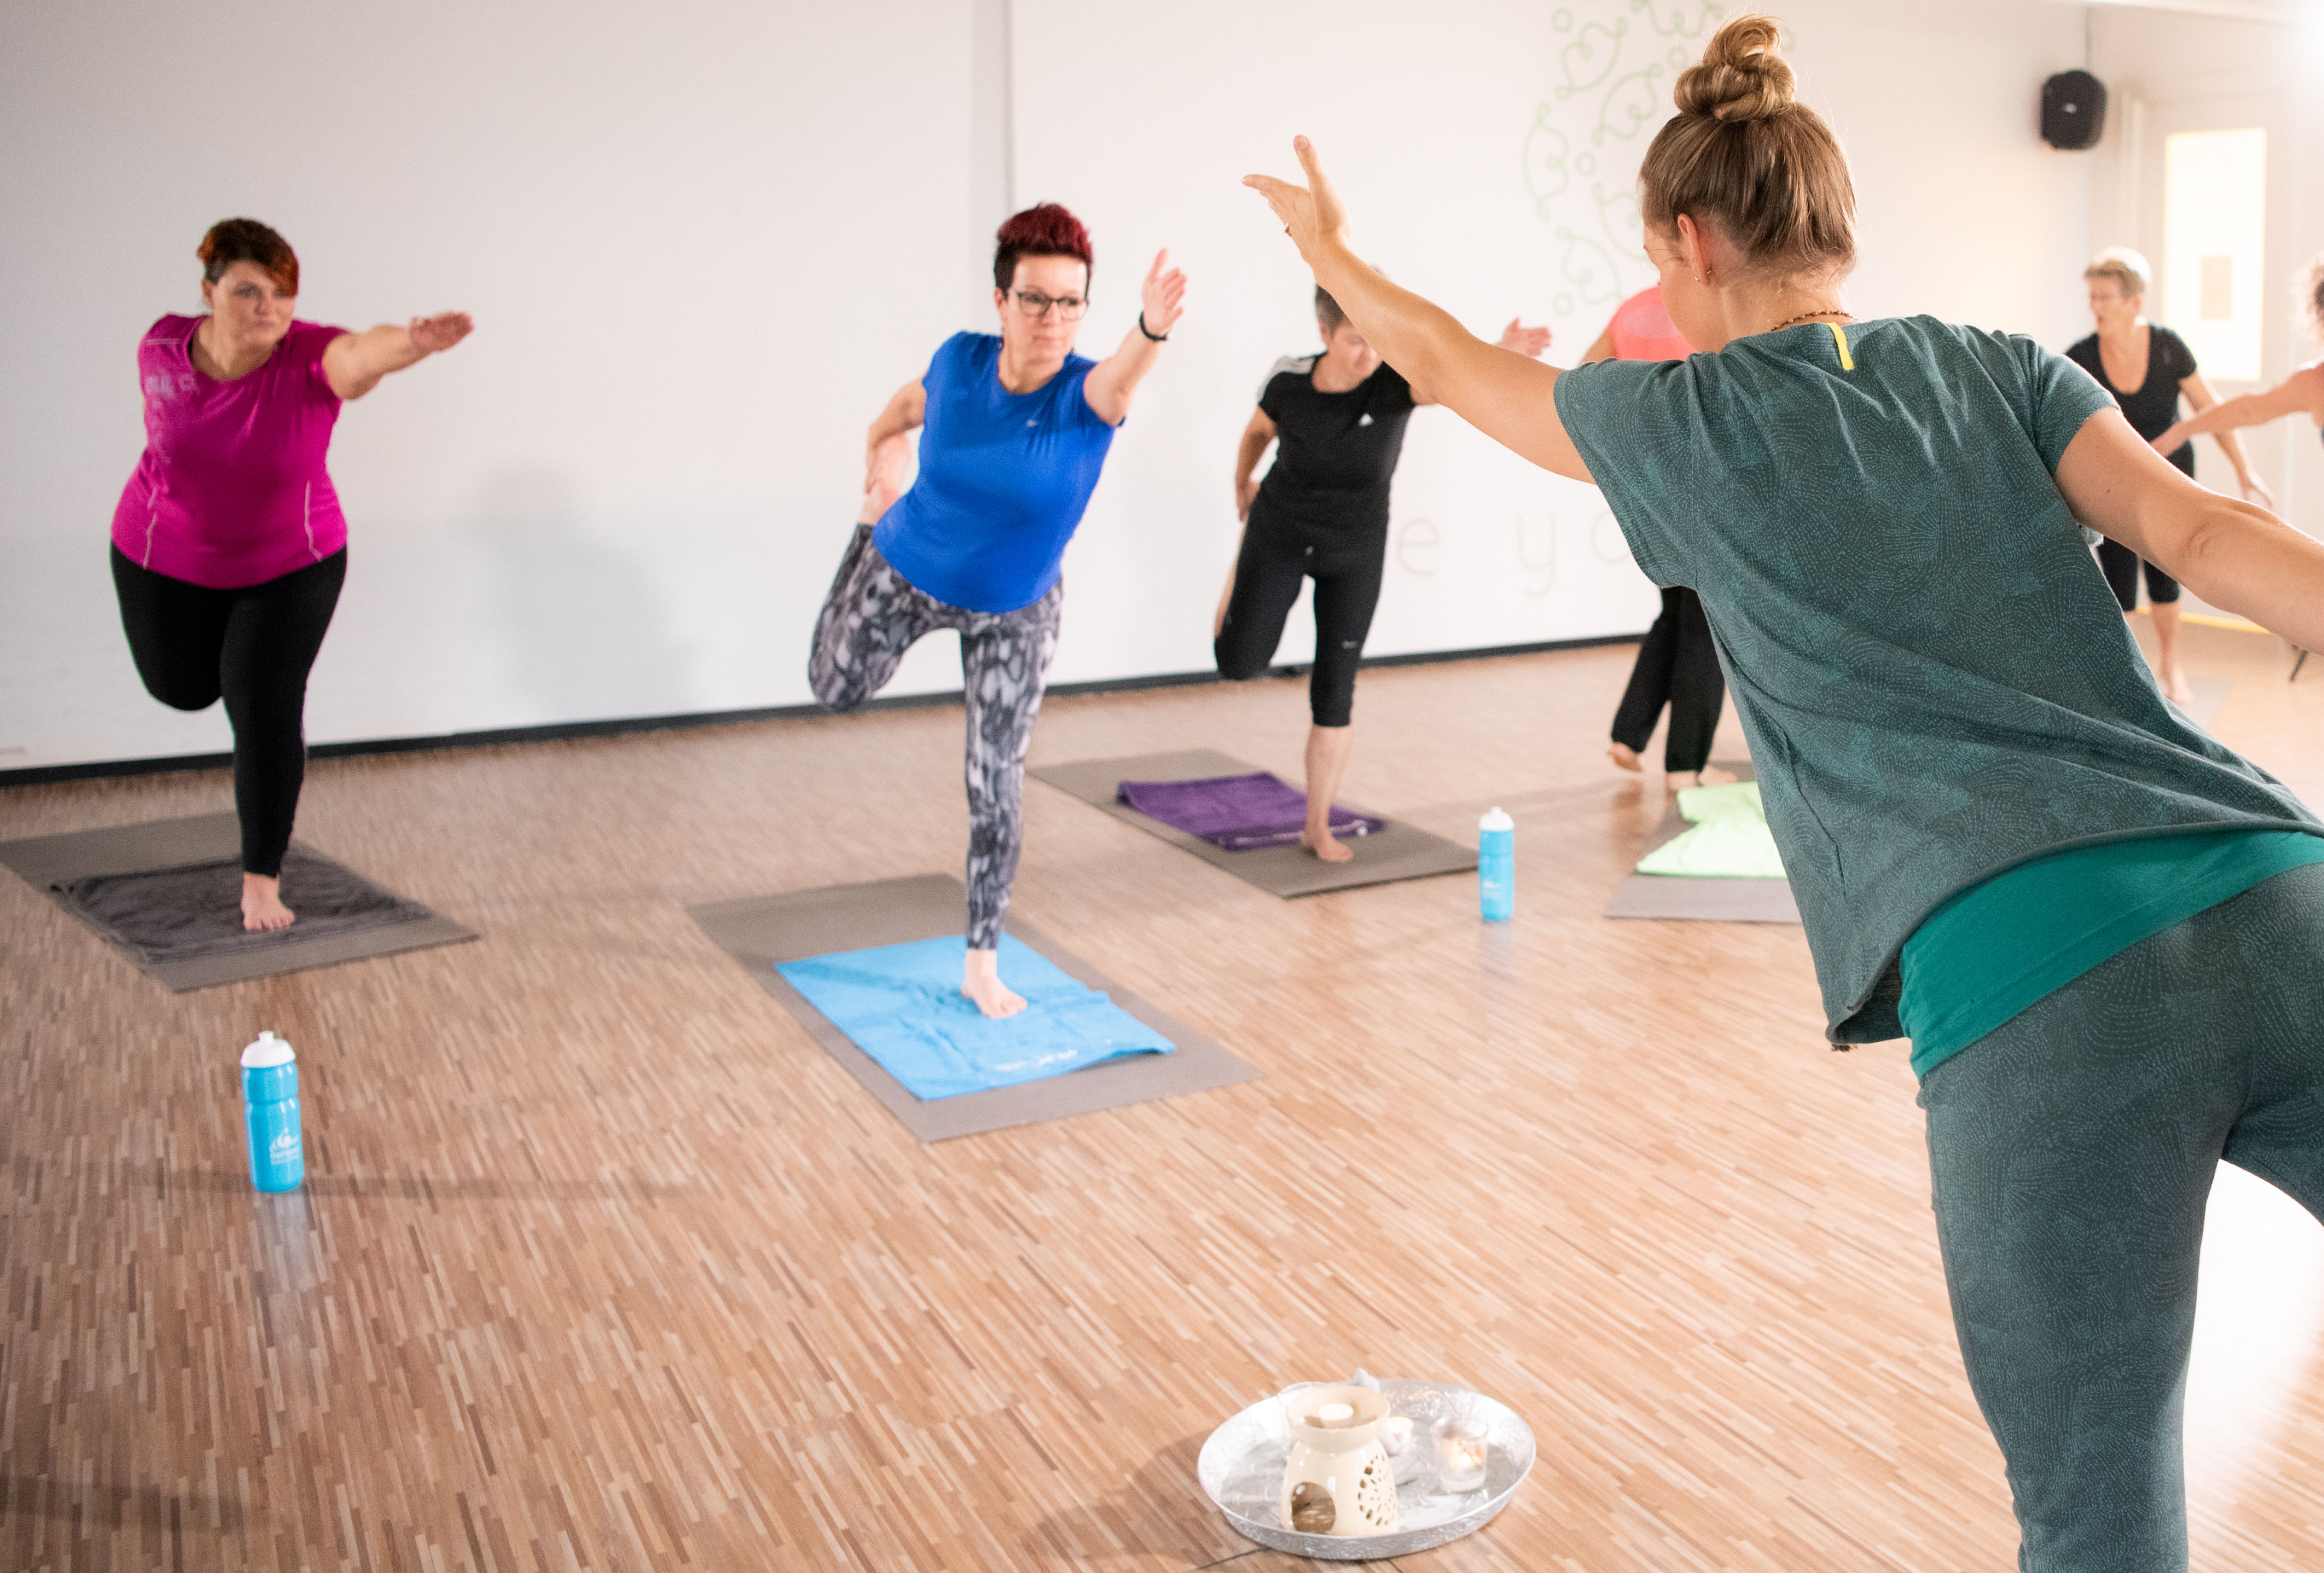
(2126, 267)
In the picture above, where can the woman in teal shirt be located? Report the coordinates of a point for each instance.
(2101, 928)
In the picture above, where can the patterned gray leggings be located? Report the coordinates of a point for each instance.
(871, 618)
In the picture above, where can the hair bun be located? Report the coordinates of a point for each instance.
(1741, 77)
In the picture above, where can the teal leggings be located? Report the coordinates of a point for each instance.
(2073, 1150)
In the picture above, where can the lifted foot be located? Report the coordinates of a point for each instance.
(980, 979)
(262, 903)
(1625, 756)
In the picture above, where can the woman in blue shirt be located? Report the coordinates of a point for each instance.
(1014, 431)
(2101, 928)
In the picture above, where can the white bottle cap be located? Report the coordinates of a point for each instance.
(267, 1053)
(1494, 819)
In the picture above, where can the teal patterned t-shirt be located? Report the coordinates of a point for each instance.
(1936, 682)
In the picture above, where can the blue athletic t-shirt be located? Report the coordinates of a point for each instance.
(1003, 480)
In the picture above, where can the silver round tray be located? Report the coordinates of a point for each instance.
(1241, 1470)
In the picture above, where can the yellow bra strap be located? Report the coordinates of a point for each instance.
(1846, 361)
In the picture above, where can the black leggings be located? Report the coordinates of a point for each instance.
(1266, 585)
(2121, 566)
(1677, 665)
(254, 646)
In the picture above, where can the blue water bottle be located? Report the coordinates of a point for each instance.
(1496, 865)
(270, 1097)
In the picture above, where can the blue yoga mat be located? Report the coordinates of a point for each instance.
(902, 1006)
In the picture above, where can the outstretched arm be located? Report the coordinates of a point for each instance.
(2302, 393)
(1113, 382)
(353, 362)
(1499, 391)
(1532, 342)
(2200, 398)
(2234, 555)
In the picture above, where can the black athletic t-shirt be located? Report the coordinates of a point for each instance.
(2153, 407)
(1335, 453)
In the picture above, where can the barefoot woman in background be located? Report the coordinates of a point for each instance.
(2148, 369)
(1321, 514)
(229, 544)
(1017, 429)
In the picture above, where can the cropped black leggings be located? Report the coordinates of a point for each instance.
(1266, 585)
(253, 647)
(1677, 665)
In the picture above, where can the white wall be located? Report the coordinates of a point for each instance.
(626, 494)
(1489, 153)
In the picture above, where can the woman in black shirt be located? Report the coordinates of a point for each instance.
(1321, 514)
(2146, 368)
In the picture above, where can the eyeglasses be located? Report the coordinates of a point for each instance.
(1033, 303)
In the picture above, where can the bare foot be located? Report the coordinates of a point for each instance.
(1713, 775)
(262, 903)
(980, 979)
(1624, 756)
(2176, 688)
(1326, 846)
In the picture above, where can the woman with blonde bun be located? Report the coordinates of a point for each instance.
(2101, 929)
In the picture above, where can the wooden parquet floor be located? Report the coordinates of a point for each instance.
(602, 1264)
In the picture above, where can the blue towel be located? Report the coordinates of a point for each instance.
(902, 1006)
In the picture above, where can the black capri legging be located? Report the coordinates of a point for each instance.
(1677, 666)
(1266, 585)
(253, 647)
(2121, 566)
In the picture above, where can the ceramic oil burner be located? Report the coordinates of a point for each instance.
(1337, 1480)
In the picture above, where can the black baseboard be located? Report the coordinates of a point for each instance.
(558, 731)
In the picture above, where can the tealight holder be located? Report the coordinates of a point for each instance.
(1337, 1480)
(1459, 1456)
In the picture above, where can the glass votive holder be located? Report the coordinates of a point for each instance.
(1459, 1456)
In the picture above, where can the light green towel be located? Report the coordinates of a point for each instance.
(1730, 841)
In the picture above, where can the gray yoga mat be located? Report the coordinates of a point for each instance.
(167, 895)
(1401, 852)
(764, 932)
(1672, 896)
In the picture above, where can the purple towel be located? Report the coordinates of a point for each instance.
(1239, 813)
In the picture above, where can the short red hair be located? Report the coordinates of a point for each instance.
(1046, 231)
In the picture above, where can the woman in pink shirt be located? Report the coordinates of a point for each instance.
(1677, 665)
(228, 545)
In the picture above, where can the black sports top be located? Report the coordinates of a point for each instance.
(1336, 452)
(2153, 407)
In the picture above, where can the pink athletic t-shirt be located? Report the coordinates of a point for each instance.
(232, 491)
(1643, 330)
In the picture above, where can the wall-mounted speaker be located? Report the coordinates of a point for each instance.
(2073, 111)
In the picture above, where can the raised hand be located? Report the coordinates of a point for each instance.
(430, 335)
(2255, 492)
(1313, 214)
(1163, 297)
(1525, 341)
